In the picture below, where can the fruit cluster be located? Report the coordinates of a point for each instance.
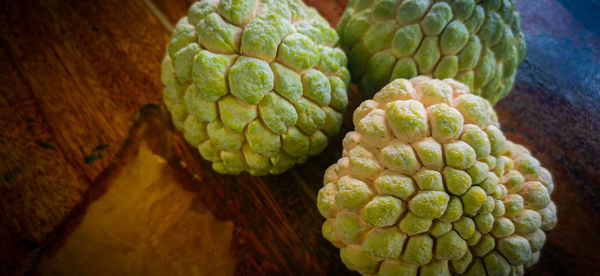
(478, 43)
(257, 86)
(428, 183)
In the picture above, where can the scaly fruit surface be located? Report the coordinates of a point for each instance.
(429, 185)
(477, 42)
(255, 85)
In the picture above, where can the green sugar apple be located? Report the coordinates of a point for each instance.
(255, 85)
(429, 184)
(477, 42)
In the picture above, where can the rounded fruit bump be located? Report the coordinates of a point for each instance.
(255, 85)
(476, 42)
(434, 187)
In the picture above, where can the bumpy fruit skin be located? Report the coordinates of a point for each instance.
(429, 184)
(255, 85)
(477, 42)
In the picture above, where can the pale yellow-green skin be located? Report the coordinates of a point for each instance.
(429, 184)
(476, 42)
(255, 85)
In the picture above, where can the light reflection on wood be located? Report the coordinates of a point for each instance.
(144, 222)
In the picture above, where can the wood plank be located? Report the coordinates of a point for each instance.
(91, 66)
(273, 230)
(39, 185)
(141, 218)
(270, 214)
(77, 73)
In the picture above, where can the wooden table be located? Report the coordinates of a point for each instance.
(76, 73)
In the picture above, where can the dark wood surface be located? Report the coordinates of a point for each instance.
(75, 74)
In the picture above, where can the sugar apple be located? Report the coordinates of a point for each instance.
(477, 42)
(256, 85)
(429, 184)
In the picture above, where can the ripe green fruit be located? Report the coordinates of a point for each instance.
(255, 85)
(476, 42)
(429, 184)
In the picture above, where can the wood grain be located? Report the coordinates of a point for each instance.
(39, 185)
(75, 73)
